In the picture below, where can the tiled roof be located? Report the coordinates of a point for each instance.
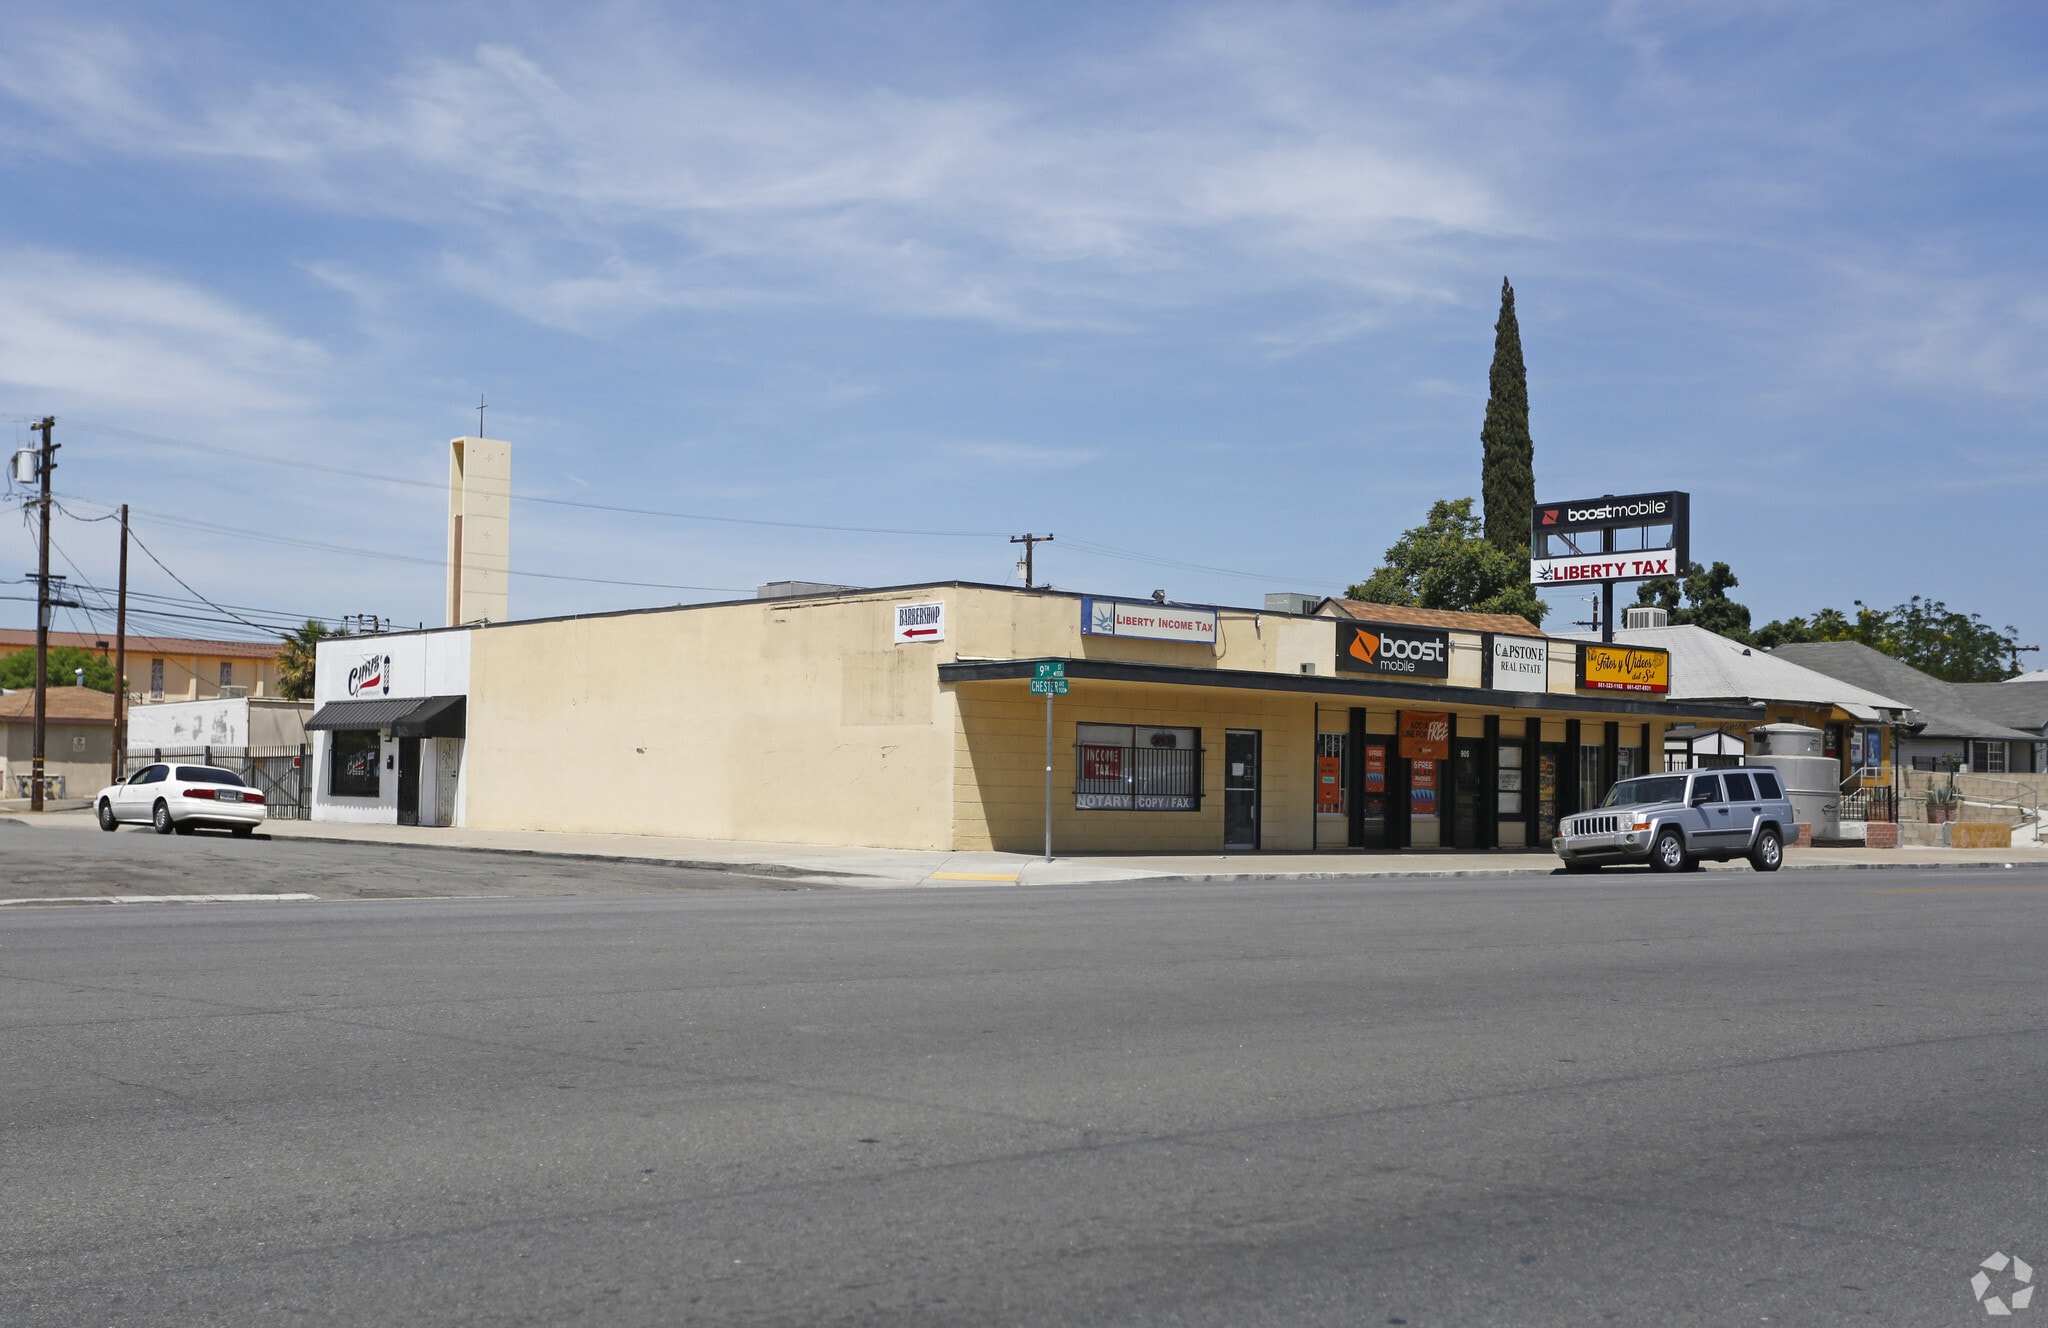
(1509, 623)
(2015, 703)
(16, 638)
(72, 705)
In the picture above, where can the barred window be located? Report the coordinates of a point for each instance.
(1124, 767)
(1333, 774)
(156, 680)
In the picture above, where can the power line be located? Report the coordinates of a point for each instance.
(617, 509)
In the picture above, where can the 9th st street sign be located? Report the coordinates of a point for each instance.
(1051, 679)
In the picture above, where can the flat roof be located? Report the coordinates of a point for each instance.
(1484, 698)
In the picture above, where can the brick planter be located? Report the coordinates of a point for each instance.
(1805, 839)
(1881, 834)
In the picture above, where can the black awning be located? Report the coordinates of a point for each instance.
(405, 716)
(435, 717)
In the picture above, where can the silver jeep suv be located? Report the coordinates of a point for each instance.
(1674, 821)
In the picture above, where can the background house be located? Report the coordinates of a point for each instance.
(78, 750)
(1959, 727)
(170, 668)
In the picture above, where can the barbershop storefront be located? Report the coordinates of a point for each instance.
(388, 728)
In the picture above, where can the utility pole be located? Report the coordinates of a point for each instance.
(46, 463)
(1028, 541)
(120, 760)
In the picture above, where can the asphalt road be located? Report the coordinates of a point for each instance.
(1813, 1098)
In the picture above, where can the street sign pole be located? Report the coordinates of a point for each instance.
(1048, 776)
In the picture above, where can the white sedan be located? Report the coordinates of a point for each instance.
(181, 798)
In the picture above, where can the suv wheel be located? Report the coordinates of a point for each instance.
(1769, 853)
(107, 821)
(1668, 853)
(160, 819)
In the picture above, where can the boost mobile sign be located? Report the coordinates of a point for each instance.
(1394, 648)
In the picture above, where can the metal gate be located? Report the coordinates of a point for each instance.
(282, 782)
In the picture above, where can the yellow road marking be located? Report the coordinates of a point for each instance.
(974, 876)
(1953, 889)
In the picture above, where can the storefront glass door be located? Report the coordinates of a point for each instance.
(1241, 788)
(1464, 826)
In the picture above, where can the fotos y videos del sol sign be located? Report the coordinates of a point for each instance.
(1394, 649)
(1624, 668)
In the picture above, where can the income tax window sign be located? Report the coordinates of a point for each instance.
(920, 622)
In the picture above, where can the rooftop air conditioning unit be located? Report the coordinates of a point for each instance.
(1645, 615)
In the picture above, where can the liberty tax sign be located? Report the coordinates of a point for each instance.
(1150, 622)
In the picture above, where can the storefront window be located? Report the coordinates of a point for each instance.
(1628, 763)
(1122, 767)
(1508, 781)
(353, 759)
(1591, 789)
(1333, 774)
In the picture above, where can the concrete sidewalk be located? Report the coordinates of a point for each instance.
(900, 868)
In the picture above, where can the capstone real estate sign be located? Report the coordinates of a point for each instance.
(1521, 663)
(1150, 622)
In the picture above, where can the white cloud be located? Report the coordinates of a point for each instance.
(89, 332)
(593, 182)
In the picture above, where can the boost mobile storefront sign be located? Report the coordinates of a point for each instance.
(1394, 649)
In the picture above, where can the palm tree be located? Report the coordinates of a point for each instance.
(295, 659)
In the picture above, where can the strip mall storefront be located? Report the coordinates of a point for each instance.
(907, 717)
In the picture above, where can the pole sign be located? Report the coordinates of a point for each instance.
(920, 622)
(1395, 649)
(1635, 537)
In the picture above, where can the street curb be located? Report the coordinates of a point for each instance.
(771, 870)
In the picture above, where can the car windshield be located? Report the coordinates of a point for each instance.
(206, 774)
(1644, 791)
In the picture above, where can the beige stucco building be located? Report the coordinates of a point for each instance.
(905, 717)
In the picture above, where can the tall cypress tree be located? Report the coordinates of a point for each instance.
(1507, 479)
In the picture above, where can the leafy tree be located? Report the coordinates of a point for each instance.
(19, 669)
(295, 659)
(1926, 633)
(1705, 592)
(1507, 475)
(1447, 563)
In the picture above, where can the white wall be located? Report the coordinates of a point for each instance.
(188, 724)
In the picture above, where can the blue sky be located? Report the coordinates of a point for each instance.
(1208, 285)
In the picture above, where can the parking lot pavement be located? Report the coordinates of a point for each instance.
(128, 864)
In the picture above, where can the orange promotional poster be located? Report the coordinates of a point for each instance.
(1425, 735)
